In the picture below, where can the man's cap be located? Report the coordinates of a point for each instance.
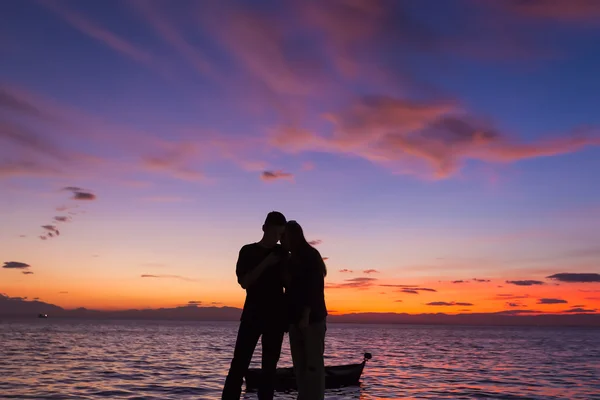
(275, 218)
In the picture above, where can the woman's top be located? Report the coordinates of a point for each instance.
(306, 287)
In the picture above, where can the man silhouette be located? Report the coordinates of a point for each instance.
(259, 270)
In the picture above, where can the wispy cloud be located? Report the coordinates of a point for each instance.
(370, 271)
(276, 175)
(166, 199)
(165, 29)
(315, 242)
(504, 297)
(353, 283)
(103, 35)
(449, 304)
(416, 290)
(525, 283)
(573, 11)
(346, 271)
(183, 278)
(421, 138)
(173, 158)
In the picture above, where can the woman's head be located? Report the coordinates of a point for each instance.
(294, 237)
(296, 242)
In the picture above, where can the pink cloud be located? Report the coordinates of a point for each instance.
(262, 44)
(370, 271)
(421, 138)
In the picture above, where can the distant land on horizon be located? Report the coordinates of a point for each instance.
(21, 308)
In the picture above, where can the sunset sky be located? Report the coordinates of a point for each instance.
(445, 155)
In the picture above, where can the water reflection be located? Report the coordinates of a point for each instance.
(174, 360)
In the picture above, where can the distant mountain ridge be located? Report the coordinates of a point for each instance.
(22, 308)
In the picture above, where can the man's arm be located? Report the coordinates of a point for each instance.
(248, 274)
(286, 273)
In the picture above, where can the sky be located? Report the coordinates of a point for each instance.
(443, 156)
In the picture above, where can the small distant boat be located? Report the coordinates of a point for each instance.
(42, 315)
(336, 376)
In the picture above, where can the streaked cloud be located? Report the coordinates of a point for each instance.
(573, 11)
(315, 242)
(370, 271)
(27, 272)
(416, 290)
(102, 35)
(353, 283)
(276, 175)
(346, 271)
(166, 199)
(551, 301)
(425, 139)
(449, 304)
(580, 310)
(508, 296)
(572, 277)
(183, 278)
(525, 283)
(408, 291)
(171, 34)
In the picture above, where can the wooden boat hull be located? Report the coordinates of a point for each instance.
(285, 379)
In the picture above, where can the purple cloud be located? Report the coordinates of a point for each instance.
(551, 301)
(525, 283)
(571, 277)
(15, 265)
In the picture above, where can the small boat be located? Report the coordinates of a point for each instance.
(336, 376)
(42, 315)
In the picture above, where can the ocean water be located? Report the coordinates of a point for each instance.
(62, 359)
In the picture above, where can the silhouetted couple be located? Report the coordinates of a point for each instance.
(284, 293)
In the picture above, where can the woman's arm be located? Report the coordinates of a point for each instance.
(314, 285)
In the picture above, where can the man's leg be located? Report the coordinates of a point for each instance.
(272, 339)
(299, 359)
(247, 338)
(315, 369)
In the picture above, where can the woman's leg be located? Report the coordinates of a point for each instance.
(315, 369)
(297, 347)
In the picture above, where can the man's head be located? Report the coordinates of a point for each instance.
(274, 226)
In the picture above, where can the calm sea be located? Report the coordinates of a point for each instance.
(53, 359)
